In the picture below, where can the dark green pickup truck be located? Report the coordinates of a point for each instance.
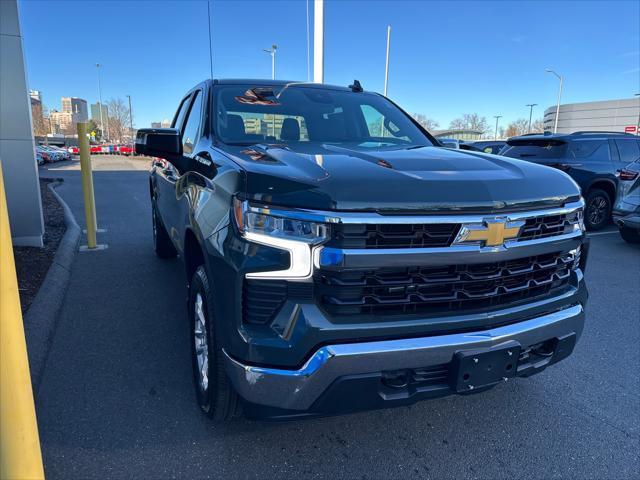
(339, 258)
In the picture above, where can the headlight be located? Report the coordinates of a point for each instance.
(575, 221)
(249, 220)
(298, 237)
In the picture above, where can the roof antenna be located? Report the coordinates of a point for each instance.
(356, 87)
(210, 48)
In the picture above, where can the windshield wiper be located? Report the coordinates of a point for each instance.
(415, 146)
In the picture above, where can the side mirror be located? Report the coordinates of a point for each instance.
(159, 142)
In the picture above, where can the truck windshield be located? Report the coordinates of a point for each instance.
(250, 114)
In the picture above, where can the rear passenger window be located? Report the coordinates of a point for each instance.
(584, 148)
(182, 110)
(191, 130)
(628, 149)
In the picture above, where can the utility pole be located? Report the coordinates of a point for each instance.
(548, 70)
(530, 105)
(210, 47)
(130, 121)
(638, 123)
(272, 52)
(318, 41)
(308, 45)
(100, 101)
(497, 117)
(386, 67)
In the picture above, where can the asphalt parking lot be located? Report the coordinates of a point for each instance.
(117, 401)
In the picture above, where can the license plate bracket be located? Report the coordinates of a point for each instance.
(485, 367)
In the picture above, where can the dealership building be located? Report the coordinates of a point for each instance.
(608, 115)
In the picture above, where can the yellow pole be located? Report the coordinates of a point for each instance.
(20, 456)
(87, 185)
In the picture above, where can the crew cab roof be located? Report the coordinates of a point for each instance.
(275, 83)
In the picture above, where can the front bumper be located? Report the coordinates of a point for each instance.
(348, 377)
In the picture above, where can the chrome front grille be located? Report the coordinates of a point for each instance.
(431, 235)
(417, 235)
(544, 226)
(439, 289)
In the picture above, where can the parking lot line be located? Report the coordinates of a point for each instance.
(602, 233)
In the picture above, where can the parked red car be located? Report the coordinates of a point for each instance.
(125, 150)
(96, 149)
(74, 150)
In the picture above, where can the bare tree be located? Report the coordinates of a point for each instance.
(428, 123)
(118, 118)
(470, 121)
(40, 124)
(537, 126)
(517, 127)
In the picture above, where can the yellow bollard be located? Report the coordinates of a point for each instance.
(87, 186)
(20, 456)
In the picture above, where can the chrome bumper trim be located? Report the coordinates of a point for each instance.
(299, 389)
(322, 216)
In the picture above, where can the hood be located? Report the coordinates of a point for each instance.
(328, 177)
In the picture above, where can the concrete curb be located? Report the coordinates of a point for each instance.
(41, 319)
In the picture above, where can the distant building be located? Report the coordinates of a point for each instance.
(156, 124)
(95, 112)
(458, 134)
(166, 123)
(77, 107)
(61, 122)
(608, 115)
(35, 95)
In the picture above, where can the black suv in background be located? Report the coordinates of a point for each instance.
(592, 159)
(487, 146)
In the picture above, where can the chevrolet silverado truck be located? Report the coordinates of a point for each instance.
(338, 258)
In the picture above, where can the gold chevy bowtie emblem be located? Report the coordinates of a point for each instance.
(492, 232)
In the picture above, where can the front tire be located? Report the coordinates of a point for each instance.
(214, 392)
(598, 209)
(630, 235)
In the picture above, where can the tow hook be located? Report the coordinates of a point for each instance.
(397, 379)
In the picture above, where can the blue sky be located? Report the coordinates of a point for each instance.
(447, 58)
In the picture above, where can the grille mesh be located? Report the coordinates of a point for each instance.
(435, 290)
(429, 235)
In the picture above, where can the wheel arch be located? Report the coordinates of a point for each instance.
(194, 255)
(606, 185)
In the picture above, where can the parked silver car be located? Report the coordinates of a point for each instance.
(626, 210)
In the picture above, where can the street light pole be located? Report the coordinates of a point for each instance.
(386, 67)
(100, 102)
(638, 123)
(272, 52)
(548, 70)
(530, 105)
(497, 117)
(130, 121)
(318, 41)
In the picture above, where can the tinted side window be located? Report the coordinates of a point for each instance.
(602, 153)
(628, 149)
(191, 130)
(182, 110)
(584, 148)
